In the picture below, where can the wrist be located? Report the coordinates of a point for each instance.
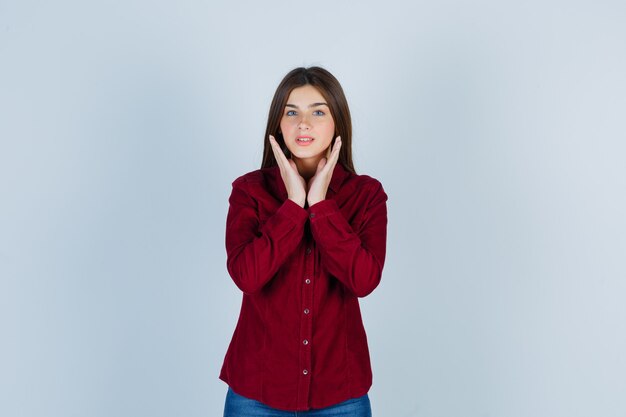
(298, 200)
(312, 201)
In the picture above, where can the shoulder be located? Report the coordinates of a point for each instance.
(366, 184)
(258, 176)
(365, 180)
(260, 184)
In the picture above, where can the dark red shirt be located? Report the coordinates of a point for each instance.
(299, 342)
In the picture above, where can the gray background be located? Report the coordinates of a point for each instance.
(497, 129)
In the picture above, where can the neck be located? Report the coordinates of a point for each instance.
(306, 167)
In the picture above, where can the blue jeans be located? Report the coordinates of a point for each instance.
(240, 406)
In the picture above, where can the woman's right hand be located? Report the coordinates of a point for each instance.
(294, 183)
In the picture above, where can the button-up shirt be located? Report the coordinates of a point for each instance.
(299, 342)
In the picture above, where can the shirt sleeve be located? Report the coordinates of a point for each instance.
(354, 258)
(255, 252)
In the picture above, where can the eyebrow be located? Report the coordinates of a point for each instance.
(310, 105)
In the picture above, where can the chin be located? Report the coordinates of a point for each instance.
(306, 155)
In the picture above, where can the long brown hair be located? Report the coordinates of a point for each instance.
(331, 90)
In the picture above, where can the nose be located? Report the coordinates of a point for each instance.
(304, 124)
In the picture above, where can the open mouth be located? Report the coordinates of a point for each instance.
(304, 141)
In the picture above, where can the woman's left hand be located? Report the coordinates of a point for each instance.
(318, 183)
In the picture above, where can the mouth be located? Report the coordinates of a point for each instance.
(304, 140)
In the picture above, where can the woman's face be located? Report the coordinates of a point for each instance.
(306, 124)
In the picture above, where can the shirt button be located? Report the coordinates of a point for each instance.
(306, 342)
(307, 281)
(306, 311)
(305, 372)
(308, 250)
(312, 215)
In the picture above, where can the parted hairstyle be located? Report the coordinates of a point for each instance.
(331, 90)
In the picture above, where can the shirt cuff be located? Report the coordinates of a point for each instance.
(323, 209)
(293, 211)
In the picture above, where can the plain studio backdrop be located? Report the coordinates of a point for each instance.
(496, 127)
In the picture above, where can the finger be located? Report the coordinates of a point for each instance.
(275, 145)
(279, 155)
(321, 165)
(336, 148)
(337, 143)
(334, 154)
(329, 164)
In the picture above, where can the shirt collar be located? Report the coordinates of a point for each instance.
(339, 175)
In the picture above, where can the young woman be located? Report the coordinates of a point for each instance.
(305, 238)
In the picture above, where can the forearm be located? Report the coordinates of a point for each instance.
(255, 254)
(355, 259)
